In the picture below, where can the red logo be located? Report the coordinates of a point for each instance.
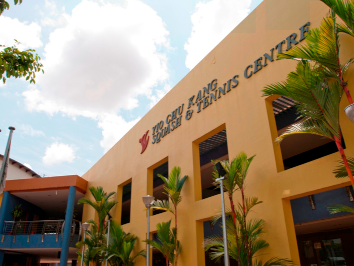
(144, 141)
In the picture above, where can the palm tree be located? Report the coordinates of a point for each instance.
(235, 180)
(344, 10)
(102, 204)
(173, 187)
(230, 186)
(322, 48)
(93, 242)
(166, 242)
(238, 249)
(119, 251)
(318, 100)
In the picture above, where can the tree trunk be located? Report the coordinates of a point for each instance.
(235, 224)
(344, 85)
(345, 161)
(166, 261)
(248, 248)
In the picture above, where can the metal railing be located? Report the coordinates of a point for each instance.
(43, 227)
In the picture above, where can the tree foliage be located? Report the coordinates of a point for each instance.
(17, 64)
(345, 10)
(166, 242)
(102, 204)
(340, 208)
(243, 233)
(173, 186)
(120, 249)
(5, 5)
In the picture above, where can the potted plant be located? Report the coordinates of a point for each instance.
(16, 212)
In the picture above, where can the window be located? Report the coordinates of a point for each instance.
(301, 148)
(213, 148)
(126, 203)
(214, 230)
(157, 257)
(155, 184)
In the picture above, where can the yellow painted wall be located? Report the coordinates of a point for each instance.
(244, 113)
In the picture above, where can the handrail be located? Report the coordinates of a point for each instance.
(43, 227)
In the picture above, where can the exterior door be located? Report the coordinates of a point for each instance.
(327, 248)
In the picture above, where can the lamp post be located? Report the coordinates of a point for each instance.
(109, 226)
(222, 173)
(349, 111)
(148, 201)
(85, 227)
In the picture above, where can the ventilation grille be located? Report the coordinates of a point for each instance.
(212, 142)
(282, 104)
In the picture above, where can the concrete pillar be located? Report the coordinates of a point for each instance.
(3, 209)
(67, 227)
(2, 255)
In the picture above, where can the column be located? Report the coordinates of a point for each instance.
(67, 227)
(4, 204)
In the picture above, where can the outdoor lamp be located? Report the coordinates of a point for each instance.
(85, 227)
(108, 232)
(349, 111)
(148, 201)
(220, 169)
(222, 174)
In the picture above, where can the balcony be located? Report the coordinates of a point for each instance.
(41, 234)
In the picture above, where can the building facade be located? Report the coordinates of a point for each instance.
(215, 112)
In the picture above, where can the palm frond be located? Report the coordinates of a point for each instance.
(345, 10)
(162, 205)
(307, 126)
(321, 46)
(341, 170)
(340, 208)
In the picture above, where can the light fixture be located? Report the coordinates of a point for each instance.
(148, 200)
(85, 226)
(349, 111)
(222, 173)
(220, 169)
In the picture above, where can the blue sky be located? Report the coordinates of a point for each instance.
(106, 64)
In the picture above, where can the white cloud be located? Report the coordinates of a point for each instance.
(28, 130)
(51, 6)
(58, 153)
(59, 21)
(104, 57)
(27, 34)
(28, 165)
(113, 129)
(212, 21)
